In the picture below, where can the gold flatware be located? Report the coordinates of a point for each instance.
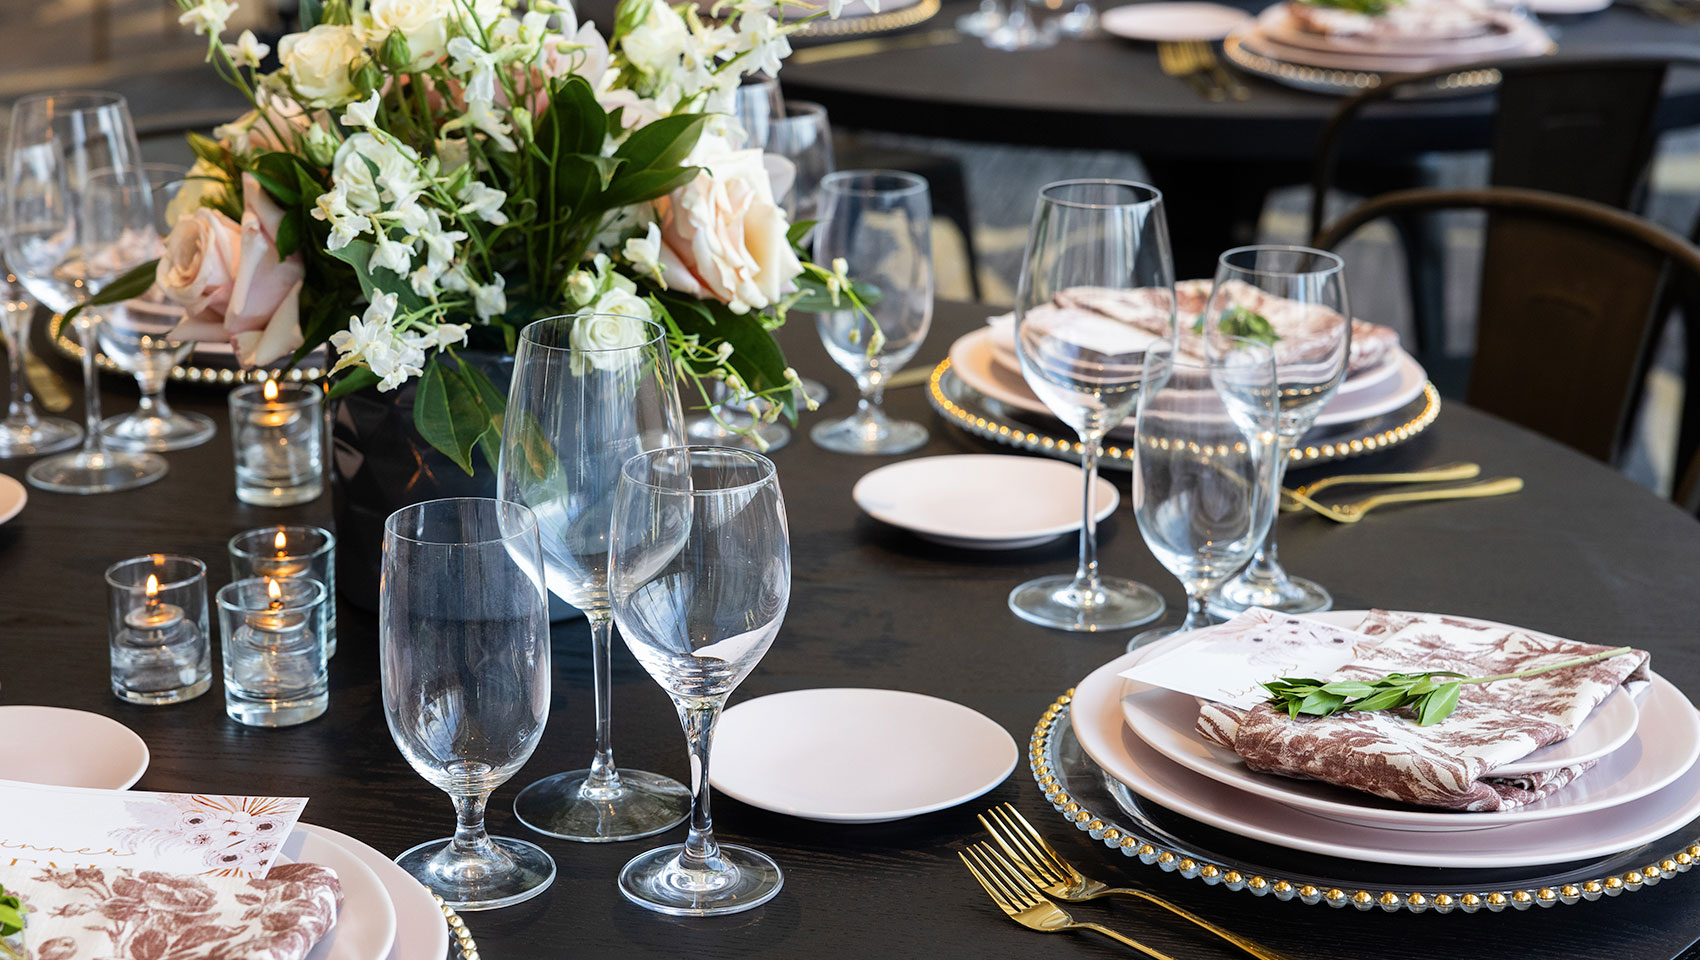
(1204, 55)
(1034, 856)
(1447, 471)
(912, 377)
(51, 390)
(846, 49)
(1016, 896)
(1353, 512)
(1175, 61)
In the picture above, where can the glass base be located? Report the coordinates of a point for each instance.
(1022, 36)
(517, 872)
(139, 431)
(280, 495)
(980, 23)
(869, 435)
(1283, 593)
(706, 429)
(561, 806)
(22, 437)
(739, 879)
(274, 713)
(1054, 602)
(96, 472)
(1152, 635)
(154, 698)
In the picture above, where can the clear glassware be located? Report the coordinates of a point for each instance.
(1087, 367)
(24, 433)
(733, 424)
(157, 625)
(1027, 26)
(879, 222)
(1204, 463)
(804, 137)
(1079, 21)
(463, 654)
(286, 551)
(79, 214)
(755, 103)
(986, 19)
(277, 436)
(700, 575)
(137, 337)
(1309, 287)
(274, 650)
(574, 416)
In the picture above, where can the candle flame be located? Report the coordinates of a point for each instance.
(273, 591)
(270, 390)
(280, 543)
(152, 587)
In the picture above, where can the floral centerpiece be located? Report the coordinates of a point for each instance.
(423, 175)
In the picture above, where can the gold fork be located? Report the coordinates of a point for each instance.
(1448, 471)
(1016, 896)
(1175, 62)
(1040, 862)
(1204, 56)
(1353, 512)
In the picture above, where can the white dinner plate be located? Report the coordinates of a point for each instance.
(854, 755)
(1530, 40)
(1498, 36)
(1663, 748)
(1610, 726)
(981, 501)
(69, 748)
(365, 927)
(421, 933)
(13, 496)
(1160, 22)
(1096, 715)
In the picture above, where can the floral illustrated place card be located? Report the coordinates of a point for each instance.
(168, 832)
(1228, 663)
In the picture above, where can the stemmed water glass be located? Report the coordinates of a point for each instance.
(802, 136)
(24, 433)
(463, 653)
(79, 214)
(574, 416)
(700, 573)
(1204, 464)
(879, 222)
(1309, 288)
(1087, 367)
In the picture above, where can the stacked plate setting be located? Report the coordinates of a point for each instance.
(1644, 785)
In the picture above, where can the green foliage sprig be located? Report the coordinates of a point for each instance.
(1369, 8)
(1237, 321)
(11, 923)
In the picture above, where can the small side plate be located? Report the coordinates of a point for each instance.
(980, 501)
(70, 748)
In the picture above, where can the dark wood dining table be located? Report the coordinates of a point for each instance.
(1580, 552)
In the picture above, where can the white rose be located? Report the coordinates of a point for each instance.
(656, 44)
(319, 63)
(422, 23)
(596, 339)
(398, 181)
(722, 234)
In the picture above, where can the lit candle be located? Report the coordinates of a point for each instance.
(272, 413)
(154, 616)
(283, 566)
(280, 625)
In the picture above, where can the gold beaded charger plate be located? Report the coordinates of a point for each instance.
(1342, 82)
(970, 410)
(211, 363)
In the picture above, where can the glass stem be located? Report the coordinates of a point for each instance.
(470, 839)
(1197, 609)
(1086, 574)
(604, 780)
(869, 407)
(88, 333)
(17, 334)
(698, 718)
(153, 402)
(1264, 568)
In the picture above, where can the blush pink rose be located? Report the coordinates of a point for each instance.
(722, 235)
(198, 271)
(264, 317)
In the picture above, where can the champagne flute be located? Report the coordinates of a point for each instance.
(1306, 289)
(463, 654)
(574, 416)
(1107, 235)
(1204, 465)
(700, 574)
(24, 433)
(79, 214)
(879, 222)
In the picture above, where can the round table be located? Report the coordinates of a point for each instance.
(1580, 552)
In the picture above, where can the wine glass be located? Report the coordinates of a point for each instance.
(1028, 25)
(463, 655)
(1204, 465)
(79, 214)
(24, 433)
(880, 223)
(1110, 237)
(802, 136)
(574, 416)
(137, 337)
(985, 19)
(1305, 289)
(700, 574)
(755, 103)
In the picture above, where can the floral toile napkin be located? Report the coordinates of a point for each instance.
(1449, 764)
(111, 913)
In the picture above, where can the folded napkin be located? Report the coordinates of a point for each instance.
(108, 913)
(1447, 764)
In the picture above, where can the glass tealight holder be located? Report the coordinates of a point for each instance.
(274, 651)
(278, 430)
(157, 624)
(284, 552)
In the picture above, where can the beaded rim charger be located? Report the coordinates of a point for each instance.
(463, 943)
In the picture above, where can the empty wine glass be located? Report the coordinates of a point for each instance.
(1204, 464)
(1103, 236)
(802, 136)
(1306, 290)
(463, 652)
(79, 215)
(137, 337)
(983, 21)
(700, 573)
(24, 433)
(879, 222)
(755, 102)
(574, 416)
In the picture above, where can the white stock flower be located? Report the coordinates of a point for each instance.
(483, 202)
(365, 332)
(453, 153)
(332, 207)
(363, 113)
(208, 17)
(469, 58)
(399, 180)
(480, 115)
(392, 255)
(247, 51)
(655, 45)
(319, 64)
(394, 362)
(422, 23)
(488, 300)
(413, 218)
(645, 254)
(764, 42)
(440, 336)
(454, 279)
(440, 243)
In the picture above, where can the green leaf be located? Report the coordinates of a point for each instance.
(355, 378)
(1349, 688)
(357, 254)
(289, 233)
(276, 173)
(755, 355)
(493, 404)
(628, 14)
(310, 11)
(573, 122)
(127, 287)
(646, 185)
(1321, 704)
(1384, 700)
(446, 413)
(798, 231)
(1437, 706)
(664, 144)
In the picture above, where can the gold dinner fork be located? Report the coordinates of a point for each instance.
(1204, 56)
(1176, 62)
(1040, 862)
(1353, 512)
(1447, 471)
(1016, 896)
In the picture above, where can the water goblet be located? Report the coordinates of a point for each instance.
(24, 433)
(463, 653)
(1087, 367)
(1308, 288)
(1204, 463)
(879, 222)
(699, 570)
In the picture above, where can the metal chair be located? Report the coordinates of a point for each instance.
(1570, 293)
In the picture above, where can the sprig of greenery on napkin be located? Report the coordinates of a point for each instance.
(1369, 8)
(11, 923)
(1237, 321)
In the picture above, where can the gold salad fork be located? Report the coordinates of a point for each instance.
(1016, 896)
(1353, 512)
(1446, 471)
(1040, 862)
(1175, 61)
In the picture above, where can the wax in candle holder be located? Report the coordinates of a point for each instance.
(279, 435)
(157, 608)
(274, 651)
(285, 551)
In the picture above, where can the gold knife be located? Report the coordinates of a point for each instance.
(51, 390)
